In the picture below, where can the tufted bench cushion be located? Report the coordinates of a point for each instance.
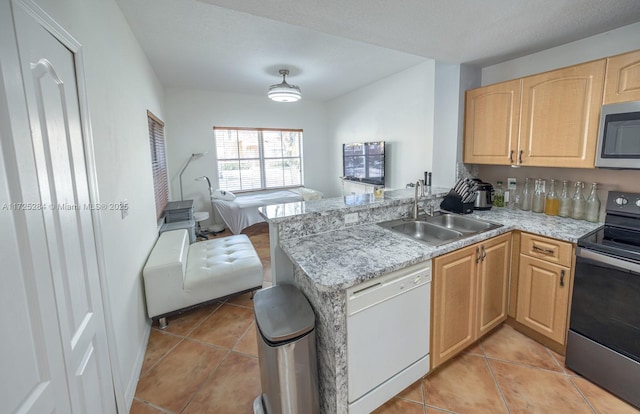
(230, 261)
(179, 275)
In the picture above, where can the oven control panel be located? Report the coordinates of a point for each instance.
(623, 202)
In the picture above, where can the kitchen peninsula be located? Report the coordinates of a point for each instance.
(327, 246)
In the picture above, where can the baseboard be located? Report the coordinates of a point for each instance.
(132, 384)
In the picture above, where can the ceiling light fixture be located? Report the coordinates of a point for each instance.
(283, 92)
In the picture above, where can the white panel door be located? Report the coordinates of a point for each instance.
(56, 348)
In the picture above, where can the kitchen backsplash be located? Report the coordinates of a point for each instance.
(607, 179)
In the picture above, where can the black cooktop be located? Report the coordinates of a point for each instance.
(620, 235)
(614, 241)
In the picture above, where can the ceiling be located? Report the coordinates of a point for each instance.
(332, 47)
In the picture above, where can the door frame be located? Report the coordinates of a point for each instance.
(65, 38)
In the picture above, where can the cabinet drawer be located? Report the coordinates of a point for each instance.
(543, 248)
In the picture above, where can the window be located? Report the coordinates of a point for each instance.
(158, 163)
(258, 159)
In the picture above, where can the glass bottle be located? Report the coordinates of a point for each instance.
(498, 195)
(515, 199)
(538, 197)
(565, 200)
(525, 198)
(593, 205)
(578, 202)
(552, 203)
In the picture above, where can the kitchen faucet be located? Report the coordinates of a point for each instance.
(419, 188)
(430, 209)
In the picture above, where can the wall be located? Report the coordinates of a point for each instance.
(606, 44)
(447, 132)
(451, 82)
(192, 114)
(121, 86)
(610, 43)
(397, 109)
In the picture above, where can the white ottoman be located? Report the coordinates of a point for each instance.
(179, 275)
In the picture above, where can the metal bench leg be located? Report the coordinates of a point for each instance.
(162, 323)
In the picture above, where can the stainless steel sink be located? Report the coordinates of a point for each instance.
(461, 223)
(422, 231)
(439, 229)
(427, 232)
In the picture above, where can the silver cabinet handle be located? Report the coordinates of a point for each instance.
(541, 250)
(521, 151)
(478, 258)
(511, 157)
(484, 253)
(562, 273)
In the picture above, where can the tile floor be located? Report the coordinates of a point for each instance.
(206, 361)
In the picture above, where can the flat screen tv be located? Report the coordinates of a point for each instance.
(364, 162)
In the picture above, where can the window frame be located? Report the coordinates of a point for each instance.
(261, 157)
(159, 170)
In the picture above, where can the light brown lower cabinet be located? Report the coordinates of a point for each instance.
(469, 295)
(543, 297)
(545, 280)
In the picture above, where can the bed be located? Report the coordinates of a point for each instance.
(242, 211)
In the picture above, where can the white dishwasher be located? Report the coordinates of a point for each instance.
(387, 335)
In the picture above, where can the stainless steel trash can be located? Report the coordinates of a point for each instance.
(287, 352)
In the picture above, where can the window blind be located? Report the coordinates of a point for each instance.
(158, 163)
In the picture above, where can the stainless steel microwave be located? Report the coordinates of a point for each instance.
(619, 136)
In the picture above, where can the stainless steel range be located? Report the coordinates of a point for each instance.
(604, 331)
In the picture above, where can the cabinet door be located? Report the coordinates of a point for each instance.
(622, 82)
(493, 277)
(492, 114)
(543, 297)
(454, 304)
(560, 115)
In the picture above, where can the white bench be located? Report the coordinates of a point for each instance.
(179, 276)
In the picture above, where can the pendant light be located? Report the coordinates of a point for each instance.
(283, 92)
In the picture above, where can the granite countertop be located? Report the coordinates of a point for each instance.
(276, 213)
(339, 259)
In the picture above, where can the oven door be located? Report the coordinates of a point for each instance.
(619, 136)
(606, 302)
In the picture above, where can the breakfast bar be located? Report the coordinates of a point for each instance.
(325, 263)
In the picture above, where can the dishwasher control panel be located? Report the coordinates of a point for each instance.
(372, 292)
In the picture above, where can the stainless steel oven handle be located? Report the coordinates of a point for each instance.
(622, 264)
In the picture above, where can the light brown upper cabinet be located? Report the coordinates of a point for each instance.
(492, 117)
(622, 82)
(545, 120)
(559, 116)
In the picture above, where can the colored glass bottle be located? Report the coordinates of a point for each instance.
(498, 195)
(552, 202)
